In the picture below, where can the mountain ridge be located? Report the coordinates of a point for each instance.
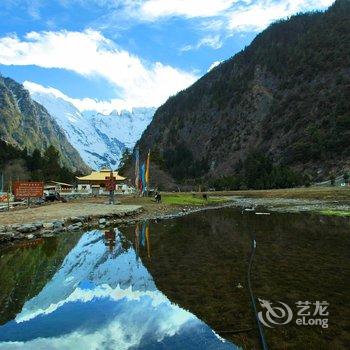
(286, 96)
(100, 138)
(27, 124)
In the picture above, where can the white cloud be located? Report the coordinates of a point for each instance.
(104, 291)
(223, 17)
(153, 9)
(213, 41)
(122, 331)
(139, 83)
(91, 54)
(235, 14)
(259, 14)
(84, 104)
(226, 16)
(213, 65)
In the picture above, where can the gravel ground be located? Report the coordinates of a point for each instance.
(98, 206)
(60, 211)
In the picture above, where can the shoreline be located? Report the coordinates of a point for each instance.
(13, 234)
(17, 226)
(295, 205)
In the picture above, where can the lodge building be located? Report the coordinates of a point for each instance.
(95, 182)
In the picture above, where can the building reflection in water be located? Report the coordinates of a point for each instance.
(109, 239)
(141, 239)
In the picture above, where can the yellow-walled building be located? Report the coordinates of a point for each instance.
(95, 182)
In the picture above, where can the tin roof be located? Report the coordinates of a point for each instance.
(58, 183)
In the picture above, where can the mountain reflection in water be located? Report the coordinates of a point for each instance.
(103, 297)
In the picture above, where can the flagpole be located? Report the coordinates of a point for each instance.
(148, 171)
(137, 169)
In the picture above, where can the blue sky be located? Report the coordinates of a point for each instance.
(114, 54)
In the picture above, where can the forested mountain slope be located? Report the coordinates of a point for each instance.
(286, 96)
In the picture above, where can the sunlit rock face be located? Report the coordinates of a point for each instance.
(103, 297)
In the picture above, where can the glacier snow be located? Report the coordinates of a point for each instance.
(100, 139)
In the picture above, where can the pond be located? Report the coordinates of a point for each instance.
(180, 284)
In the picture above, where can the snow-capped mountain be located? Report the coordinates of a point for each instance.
(91, 261)
(100, 139)
(129, 128)
(105, 299)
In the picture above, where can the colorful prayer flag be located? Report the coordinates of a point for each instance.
(148, 170)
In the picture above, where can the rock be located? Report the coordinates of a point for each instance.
(48, 225)
(31, 236)
(38, 225)
(27, 228)
(8, 233)
(58, 225)
(6, 236)
(2, 228)
(46, 232)
(76, 219)
(102, 221)
(59, 229)
(47, 235)
(75, 227)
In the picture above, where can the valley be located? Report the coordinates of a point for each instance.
(100, 139)
(175, 175)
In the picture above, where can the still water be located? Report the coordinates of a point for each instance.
(177, 284)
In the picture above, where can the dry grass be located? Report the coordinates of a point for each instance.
(320, 193)
(190, 199)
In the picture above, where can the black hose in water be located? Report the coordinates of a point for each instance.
(260, 327)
